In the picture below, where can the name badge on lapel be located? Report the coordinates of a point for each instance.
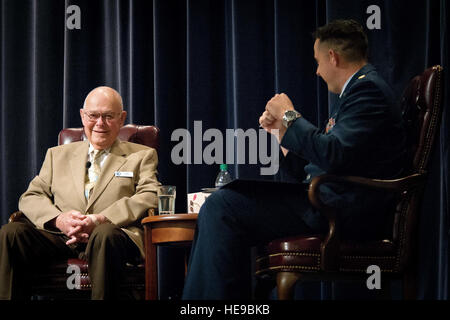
(124, 174)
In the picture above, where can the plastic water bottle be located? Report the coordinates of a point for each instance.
(223, 177)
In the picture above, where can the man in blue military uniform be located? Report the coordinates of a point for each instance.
(364, 136)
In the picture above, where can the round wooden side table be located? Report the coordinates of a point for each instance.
(164, 230)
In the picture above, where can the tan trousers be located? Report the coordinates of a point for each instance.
(25, 250)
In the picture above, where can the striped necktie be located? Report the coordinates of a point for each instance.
(93, 173)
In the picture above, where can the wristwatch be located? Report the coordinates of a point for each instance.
(289, 117)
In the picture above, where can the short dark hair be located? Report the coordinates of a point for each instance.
(346, 37)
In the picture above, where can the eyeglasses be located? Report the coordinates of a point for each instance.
(94, 116)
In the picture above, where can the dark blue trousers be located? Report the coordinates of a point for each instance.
(230, 222)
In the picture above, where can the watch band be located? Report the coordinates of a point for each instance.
(289, 117)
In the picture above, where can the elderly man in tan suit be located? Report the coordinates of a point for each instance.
(88, 200)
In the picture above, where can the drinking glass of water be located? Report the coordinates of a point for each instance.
(166, 199)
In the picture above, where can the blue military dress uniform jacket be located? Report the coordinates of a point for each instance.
(363, 137)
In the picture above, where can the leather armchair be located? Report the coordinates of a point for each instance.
(52, 281)
(284, 262)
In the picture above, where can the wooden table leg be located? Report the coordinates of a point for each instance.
(186, 262)
(151, 272)
(177, 230)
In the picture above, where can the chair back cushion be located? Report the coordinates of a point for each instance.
(421, 105)
(145, 135)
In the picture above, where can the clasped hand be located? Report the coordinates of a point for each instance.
(272, 117)
(75, 225)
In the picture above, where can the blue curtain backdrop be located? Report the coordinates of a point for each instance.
(218, 61)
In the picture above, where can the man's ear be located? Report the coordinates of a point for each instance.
(123, 116)
(81, 116)
(334, 57)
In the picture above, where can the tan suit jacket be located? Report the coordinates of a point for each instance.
(59, 187)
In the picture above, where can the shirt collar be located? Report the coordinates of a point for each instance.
(346, 83)
(91, 149)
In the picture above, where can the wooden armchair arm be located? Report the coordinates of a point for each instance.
(16, 216)
(397, 185)
(330, 246)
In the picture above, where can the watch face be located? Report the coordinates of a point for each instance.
(290, 115)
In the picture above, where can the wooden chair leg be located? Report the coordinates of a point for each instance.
(286, 283)
(385, 293)
(409, 284)
(263, 288)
